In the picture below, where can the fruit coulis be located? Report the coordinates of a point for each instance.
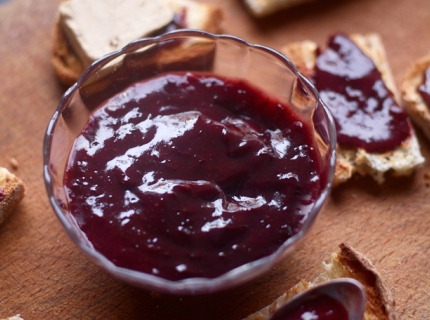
(192, 175)
(365, 111)
(424, 87)
(321, 307)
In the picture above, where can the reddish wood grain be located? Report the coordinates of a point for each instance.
(44, 276)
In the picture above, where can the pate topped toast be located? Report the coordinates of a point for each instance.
(69, 65)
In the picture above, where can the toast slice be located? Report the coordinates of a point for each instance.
(12, 190)
(418, 109)
(69, 66)
(348, 263)
(404, 159)
(261, 8)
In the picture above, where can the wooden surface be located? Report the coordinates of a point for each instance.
(44, 276)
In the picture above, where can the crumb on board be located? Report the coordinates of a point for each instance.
(427, 178)
(14, 163)
(155, 295)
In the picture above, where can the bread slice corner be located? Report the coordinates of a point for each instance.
(12, 191)
(416, 107)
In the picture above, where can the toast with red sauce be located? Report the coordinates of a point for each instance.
(403, 159)
(348, 263)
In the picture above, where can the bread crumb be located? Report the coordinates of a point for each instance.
(427, 179)
(14, 163)
(155, 295)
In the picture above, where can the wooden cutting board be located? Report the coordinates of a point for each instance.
(44, 276)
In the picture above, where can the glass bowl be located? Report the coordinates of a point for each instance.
(184, 50)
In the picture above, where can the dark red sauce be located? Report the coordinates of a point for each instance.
(321, 307)
(424, 88)
(191, 175)
(365, 111)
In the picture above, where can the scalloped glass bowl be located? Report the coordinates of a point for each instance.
(184, 50)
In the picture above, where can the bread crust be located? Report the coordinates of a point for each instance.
(413, 102)
(348, 263)
(68, 67)
(13, 190)
(404, 159)
(66, 64)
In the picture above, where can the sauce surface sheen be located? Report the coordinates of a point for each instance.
(191, 175)
(365, 111)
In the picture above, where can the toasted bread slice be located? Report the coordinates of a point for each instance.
(12, 190)
(418, 109)
(260, 8)
(404, 159)
(68, 66)
(348, 263)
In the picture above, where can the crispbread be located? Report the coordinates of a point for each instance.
(416, 107)
(348, 263)
(401, 161)
(68, 67)
(12, 191)
(260, 8)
